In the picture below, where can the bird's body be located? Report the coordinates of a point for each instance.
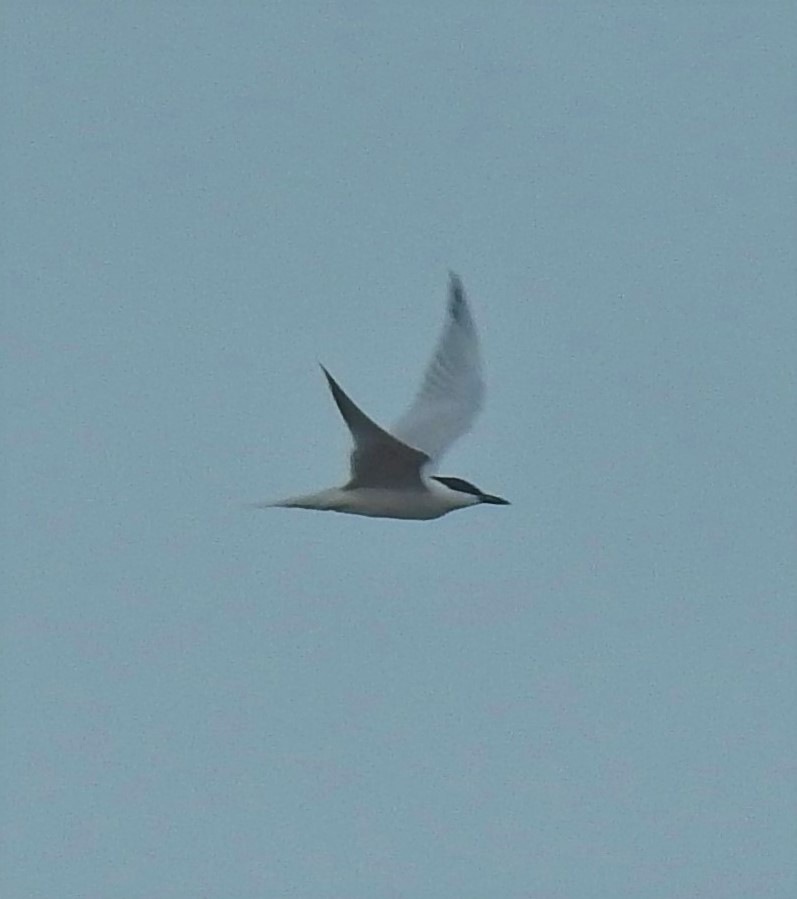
(388, 478)
(430, 501)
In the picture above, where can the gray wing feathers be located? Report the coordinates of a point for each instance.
(452, 389)
(378, 459)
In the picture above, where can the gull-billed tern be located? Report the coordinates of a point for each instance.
(388, 478)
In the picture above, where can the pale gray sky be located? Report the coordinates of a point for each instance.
(587, 694)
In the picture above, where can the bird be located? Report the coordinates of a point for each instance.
(388, 477)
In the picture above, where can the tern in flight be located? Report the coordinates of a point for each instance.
(388, 469)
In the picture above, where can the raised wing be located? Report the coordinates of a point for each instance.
(378, 459)
(452, 389)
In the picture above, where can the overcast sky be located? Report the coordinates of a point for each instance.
(586, 694)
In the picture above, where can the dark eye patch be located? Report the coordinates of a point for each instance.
(459, 484)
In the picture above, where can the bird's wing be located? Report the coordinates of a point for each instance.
(378, 459)
(452, 389)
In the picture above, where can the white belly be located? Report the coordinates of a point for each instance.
(376, 503)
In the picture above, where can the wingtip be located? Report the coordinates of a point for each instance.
(333, 385)
(456, 294)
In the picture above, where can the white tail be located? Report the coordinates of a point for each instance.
(331, 500)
